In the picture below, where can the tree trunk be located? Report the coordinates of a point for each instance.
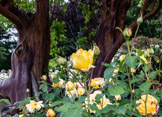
(114, 13)
(31, 56)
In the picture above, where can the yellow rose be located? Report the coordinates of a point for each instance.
(151, 103)
(143, 58)
(103, 102)
(27, 90)
(127, 32)
(61, 60)
(132, 70)
(44, 77)
(69, 86)
(96, 50)
(116, 71)
(82, 60)
(50, 113)
(72, 92)
(34, 105)
(52, 76)
(97, 82)
(122, 57)
(80, 91)
(117, 97)
(60, 84)
(21, 115)
(147, 52)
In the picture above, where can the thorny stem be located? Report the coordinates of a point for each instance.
(128, 46)
(130, 86)
(75, 77)
(89, 89)
(72, 97)
(146, 106)
(87, 96)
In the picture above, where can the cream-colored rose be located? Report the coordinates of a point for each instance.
(34, 105)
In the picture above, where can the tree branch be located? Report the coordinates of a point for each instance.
(120, 39)
(104, 7)
(154, 11)
(12, 17)
(52, 12)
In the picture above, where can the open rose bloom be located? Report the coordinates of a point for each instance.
(151, 105)
(83, 60)
(34, 105)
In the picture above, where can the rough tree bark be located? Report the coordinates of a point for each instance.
(31, 55)
(108, 38)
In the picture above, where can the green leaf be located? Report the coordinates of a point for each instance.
(140, 52)
(121, 68)
(146, 68)
(108, 72)
(115, 90)
(74, 112)
(145, 86)
(135, 80)
(56, 103)
(43, 87)
(159, 93)
(153, 74)
(121, 110)
(5, 100)
(108, 108)
(98, 97)
(131, 61)
(64, 107)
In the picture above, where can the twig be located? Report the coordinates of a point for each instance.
(75, 77)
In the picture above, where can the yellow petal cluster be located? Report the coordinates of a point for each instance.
(44, 77)
(144, 59)
(52, 76)
(69, 86)
(72, 93)
(122, 57)
(147, 52)
(97, 83)
(78, 90)
(117, 97)
(103, 101)
(116, 71)
(82, 60)
(60, 84)
(127, 32)
(21, 115)
(34, 105)
(132, 70)
(50, 113)
(151, 105)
